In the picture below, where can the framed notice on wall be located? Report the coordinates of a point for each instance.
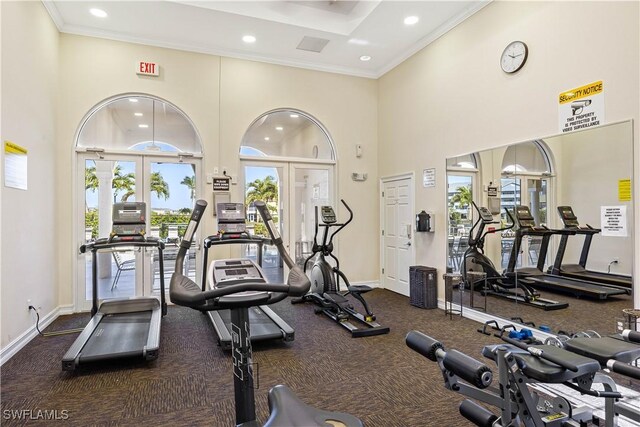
(429, 177)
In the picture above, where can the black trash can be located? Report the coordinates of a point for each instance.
(423, 286)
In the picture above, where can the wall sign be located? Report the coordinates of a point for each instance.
(613, 221)
(15, 166)
(145, 68)
(624, 190)
(220, 184)
(429, 177)
(581, 108)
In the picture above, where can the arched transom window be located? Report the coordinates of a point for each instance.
(287, 133)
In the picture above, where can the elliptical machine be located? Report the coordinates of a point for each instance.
(495, 283)
(325, 281)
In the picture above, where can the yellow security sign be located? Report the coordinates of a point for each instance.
(10, 147)
(581, 92)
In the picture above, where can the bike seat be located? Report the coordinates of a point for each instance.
(542, 370)
(603, 349)
(287, 410)
(360, 289)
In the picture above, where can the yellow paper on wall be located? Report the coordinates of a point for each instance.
(624, 190)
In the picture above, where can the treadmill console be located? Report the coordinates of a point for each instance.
(129, 220)
(328, 215)
(524, 217)
(231, 218)
(569, 219)
(485, 214)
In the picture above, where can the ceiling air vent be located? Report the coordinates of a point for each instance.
(312, 44)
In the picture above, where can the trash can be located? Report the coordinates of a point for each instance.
(423, 286)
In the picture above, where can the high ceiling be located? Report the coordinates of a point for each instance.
(344, 31)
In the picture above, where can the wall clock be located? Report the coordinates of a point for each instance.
(514, 57)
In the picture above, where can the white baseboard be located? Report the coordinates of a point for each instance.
(8, 351)
(372, 283)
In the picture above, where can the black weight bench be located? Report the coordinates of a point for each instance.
(603, 349)
(542, 370)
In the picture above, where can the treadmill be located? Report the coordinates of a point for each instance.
(122, 327)
(579, 271)
(536, 277)
(265, 323)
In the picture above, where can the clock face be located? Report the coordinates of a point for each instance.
(513, 57)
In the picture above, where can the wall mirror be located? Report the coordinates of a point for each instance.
(590, 286)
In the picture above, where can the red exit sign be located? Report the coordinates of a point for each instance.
(147, 68)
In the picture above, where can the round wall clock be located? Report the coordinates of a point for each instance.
(514, 56)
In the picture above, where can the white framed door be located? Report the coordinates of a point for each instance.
(170, 188)
(169, 185)
(300, 187)
(397, 241)
(103, 180)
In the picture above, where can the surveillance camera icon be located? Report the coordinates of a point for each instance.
(578, 106)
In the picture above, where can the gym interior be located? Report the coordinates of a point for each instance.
(320, 213)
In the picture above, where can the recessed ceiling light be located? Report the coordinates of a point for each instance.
(143, 126)
(248, 39)
(98, 13)
(411, 20)
(359, 42)
(294, 116)
(365, 58)
(133, 100)
(266, 138)
(137, 114)
(279, 128)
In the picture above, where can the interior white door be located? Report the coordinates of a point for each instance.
(397, 238)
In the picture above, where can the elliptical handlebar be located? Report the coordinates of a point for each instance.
(343, 225)
(481, 235)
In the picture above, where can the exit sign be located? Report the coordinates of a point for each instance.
(147, 68)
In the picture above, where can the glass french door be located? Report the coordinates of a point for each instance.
(532, 191)
(168, 186)
(291, 191)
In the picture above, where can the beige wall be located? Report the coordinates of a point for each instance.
(346, 106)
(92, 70)
(452, 98)
(29, 218)
(203, 86)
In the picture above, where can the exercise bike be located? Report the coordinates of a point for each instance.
(495, 283)
(239, 294)
(325, 281)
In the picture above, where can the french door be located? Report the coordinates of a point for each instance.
(532, 191)
(168, 186)
(300, 187)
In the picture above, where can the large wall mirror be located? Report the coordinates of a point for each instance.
(568, 194)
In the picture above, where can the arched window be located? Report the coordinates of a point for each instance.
(287, 133)
(528, 158)
(469, 161)
(137, 122)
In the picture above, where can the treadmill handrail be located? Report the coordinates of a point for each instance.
(104, 243)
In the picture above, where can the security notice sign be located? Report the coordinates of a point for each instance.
(581, 108)
(15, 166)
(613, 221)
